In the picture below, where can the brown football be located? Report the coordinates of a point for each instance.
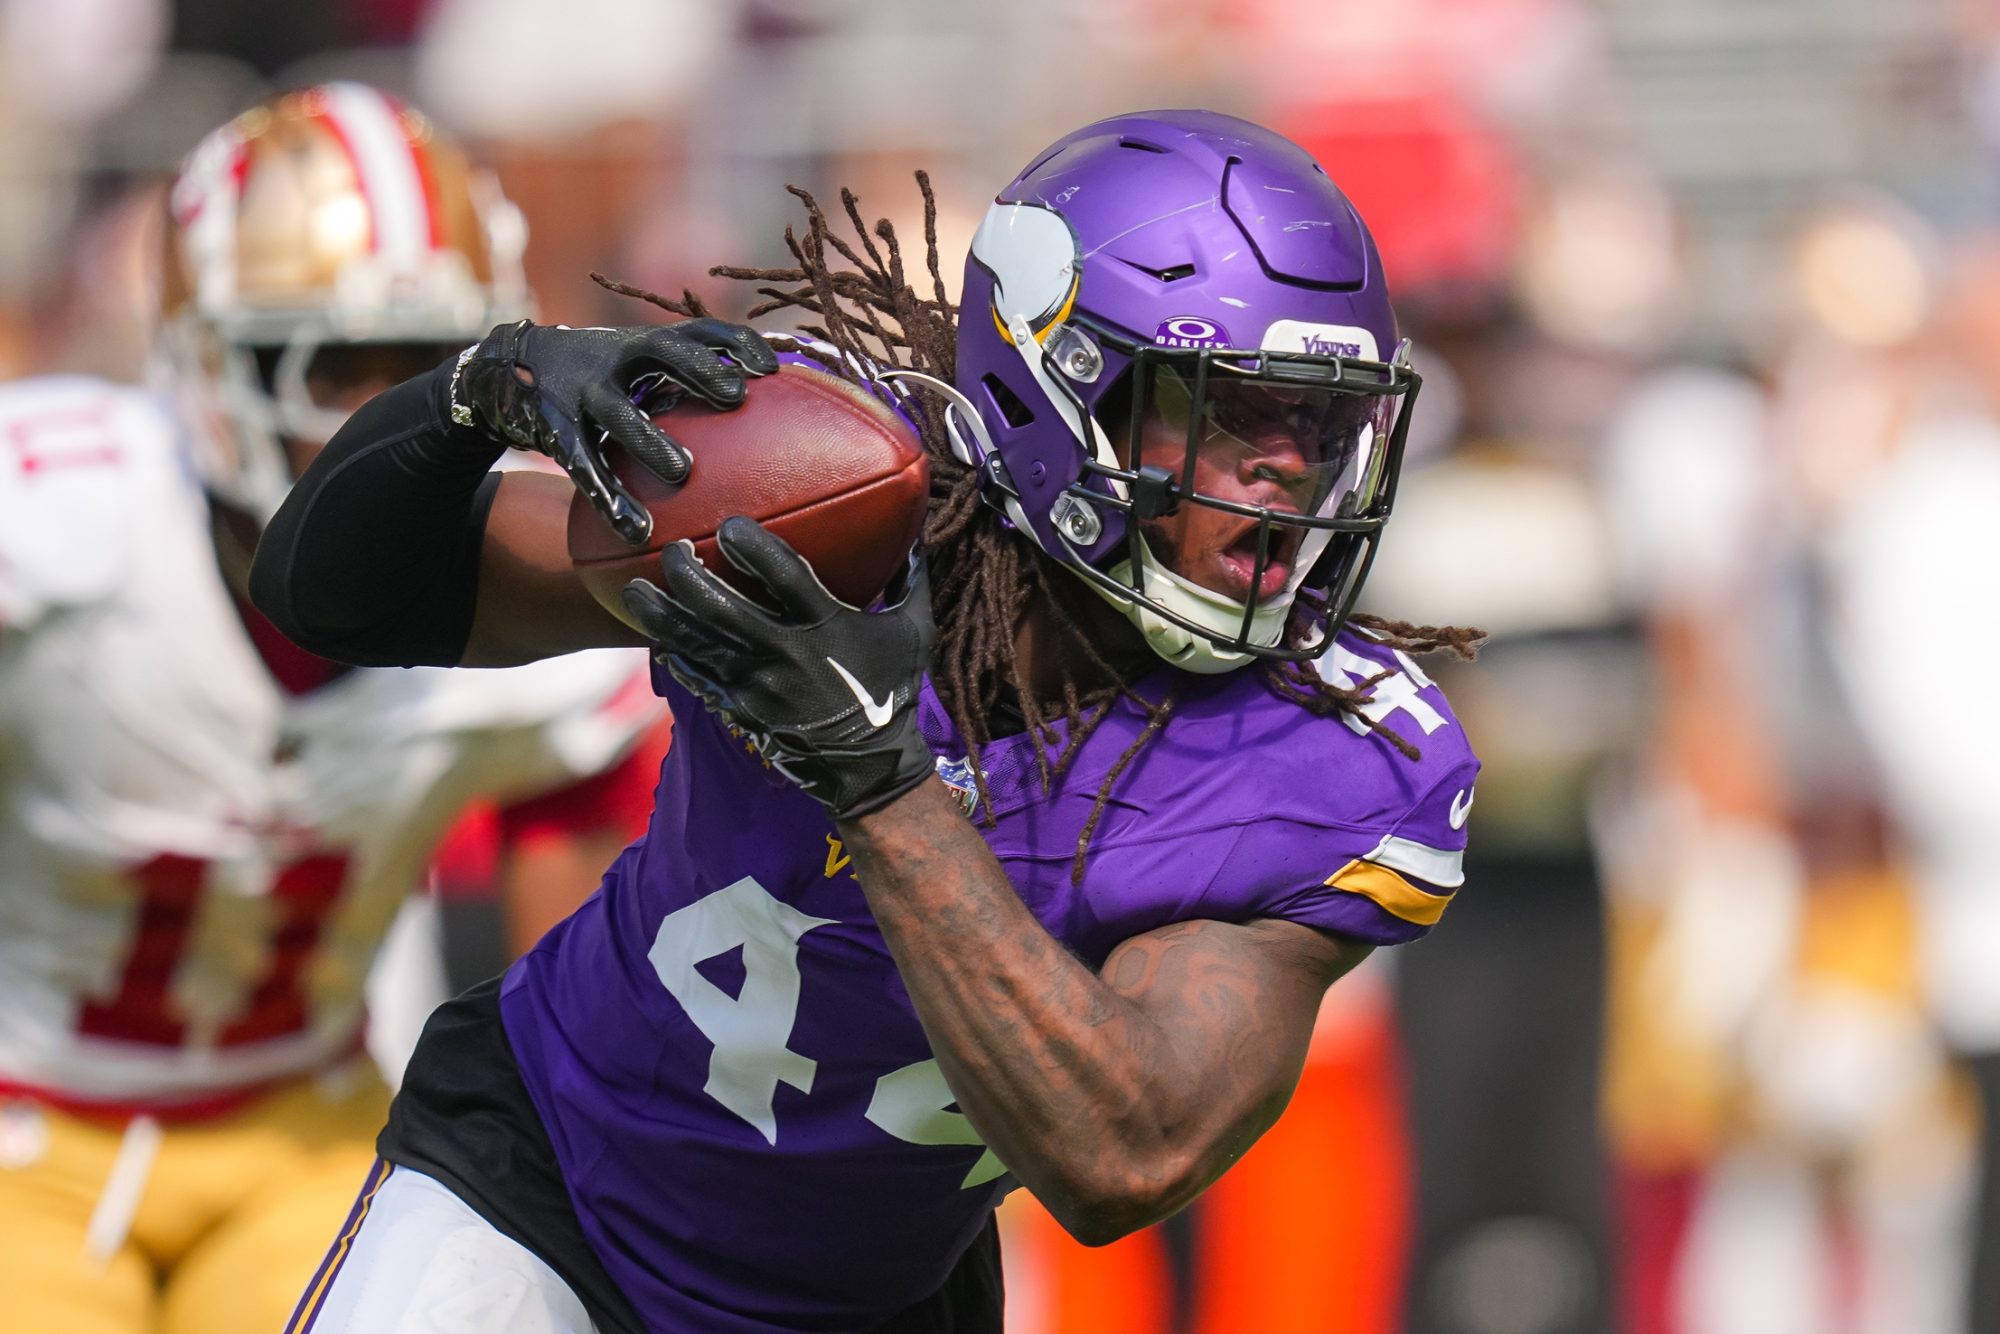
(821, 463)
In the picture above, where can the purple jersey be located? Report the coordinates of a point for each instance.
(748, 1118)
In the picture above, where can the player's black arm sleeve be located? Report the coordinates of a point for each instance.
(374, 557)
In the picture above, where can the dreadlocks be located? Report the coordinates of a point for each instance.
(983, 578)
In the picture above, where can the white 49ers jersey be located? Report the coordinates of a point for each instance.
(196, 869)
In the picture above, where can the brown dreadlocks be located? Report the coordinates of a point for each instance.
(984, 579)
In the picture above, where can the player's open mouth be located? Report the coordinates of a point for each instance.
(1237, 564)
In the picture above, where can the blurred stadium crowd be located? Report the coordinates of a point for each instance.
(1707, 300)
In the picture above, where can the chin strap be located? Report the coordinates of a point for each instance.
(1184, 648)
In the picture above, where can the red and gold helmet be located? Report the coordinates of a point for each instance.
(306, 239)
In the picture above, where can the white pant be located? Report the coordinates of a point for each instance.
(417, 1260)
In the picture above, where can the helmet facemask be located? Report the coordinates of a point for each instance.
(247, 399)
(1253, 486)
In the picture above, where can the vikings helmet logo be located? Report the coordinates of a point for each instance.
(1031, 253)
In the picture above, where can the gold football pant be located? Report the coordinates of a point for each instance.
(200, 1227)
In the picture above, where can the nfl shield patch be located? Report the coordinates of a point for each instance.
(958, 776)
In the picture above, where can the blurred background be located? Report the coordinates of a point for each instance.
(1706, 295)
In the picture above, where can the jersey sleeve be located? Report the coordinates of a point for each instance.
(76, 457)
(1349, 833)
(529, 729)
(617, 799)
(1397, 888)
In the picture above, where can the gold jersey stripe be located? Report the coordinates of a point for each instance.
(1390, 891)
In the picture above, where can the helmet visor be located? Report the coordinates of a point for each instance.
(1297, 449)
(1259, 475)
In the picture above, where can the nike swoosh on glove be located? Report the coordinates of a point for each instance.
(543, 387)
(827, 692)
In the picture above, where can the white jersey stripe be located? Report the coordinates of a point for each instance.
(1439, 866)
(387, 166)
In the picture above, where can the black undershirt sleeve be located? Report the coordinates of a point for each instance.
(373, 559)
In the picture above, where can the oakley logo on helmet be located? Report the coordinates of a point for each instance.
(1190, 331)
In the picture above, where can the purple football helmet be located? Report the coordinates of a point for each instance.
(1186, 277)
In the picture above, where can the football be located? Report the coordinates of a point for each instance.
(818, 461)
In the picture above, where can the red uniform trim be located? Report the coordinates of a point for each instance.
(296, 671)
(168, 1111)
(615, 800)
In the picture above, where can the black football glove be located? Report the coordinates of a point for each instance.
(825, 691)
(564, 392)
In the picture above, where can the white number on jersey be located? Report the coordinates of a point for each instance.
(1398, 691)
(752, 1030)
(914, 1103)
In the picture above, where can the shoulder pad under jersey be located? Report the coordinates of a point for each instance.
(1335, 825)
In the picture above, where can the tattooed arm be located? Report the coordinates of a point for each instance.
(1116, 1097)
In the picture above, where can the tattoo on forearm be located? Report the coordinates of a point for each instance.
(1055, 1064)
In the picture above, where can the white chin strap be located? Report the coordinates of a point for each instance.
(1223, 616)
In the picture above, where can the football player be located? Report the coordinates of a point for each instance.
(204, 831)
(1040, 888)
